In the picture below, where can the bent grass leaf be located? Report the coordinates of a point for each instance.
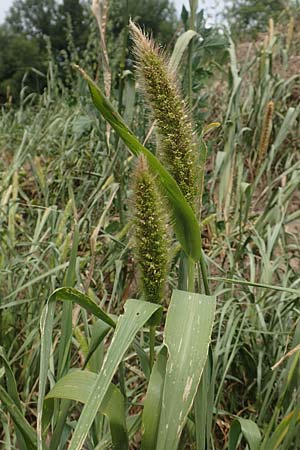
(181, 45)
(248, 429)
(259, 285)
(187, 336)
(135, 316)
(75, 296)
(185, 222)
(46, 325)
(286, 126)
(77, 385)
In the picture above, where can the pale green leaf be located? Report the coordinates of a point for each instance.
(77, 385)
(136, 315)
(248, 429)
(187, 336)
(181, 45)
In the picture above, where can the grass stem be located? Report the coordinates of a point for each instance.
(151, 345)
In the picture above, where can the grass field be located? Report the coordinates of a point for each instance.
(68, 201)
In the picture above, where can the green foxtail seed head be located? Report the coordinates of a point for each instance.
(177, 144)
(150, 232)
(266, 131)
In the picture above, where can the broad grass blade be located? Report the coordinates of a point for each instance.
(248, 429)
(185, 222)
(286, 126)
(136, 315)
(187, 336)
(77, 385)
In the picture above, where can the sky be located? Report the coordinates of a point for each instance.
(209, 5)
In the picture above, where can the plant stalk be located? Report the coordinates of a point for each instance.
(192, 26)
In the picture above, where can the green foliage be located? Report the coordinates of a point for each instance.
(61, 172)
(248, 17)
(77, 385)
(157, 17)
(69, 28)
(49, 18)
(19, 55)
(25, 37)
(209, 52)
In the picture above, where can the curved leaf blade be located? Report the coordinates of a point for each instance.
(181, 45)
(46, 326)
(248, 429)
(77, 385)
(75, 296)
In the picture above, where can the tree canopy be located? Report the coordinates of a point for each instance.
(29, 22)
(252, 16)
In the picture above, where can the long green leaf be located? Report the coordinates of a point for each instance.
(77, 385)
(46, 325)
(185, 222)
(259, 285)
(248, 429)
(18, 418)
(152, 405)
(136, 314)
(13, 393)
(280, 432)
(187, 336)
(98, 332)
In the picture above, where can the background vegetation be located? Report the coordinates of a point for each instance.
(66, 212)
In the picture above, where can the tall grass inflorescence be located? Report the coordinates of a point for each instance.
(151, 233)
(177, 146)
(266, 131)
